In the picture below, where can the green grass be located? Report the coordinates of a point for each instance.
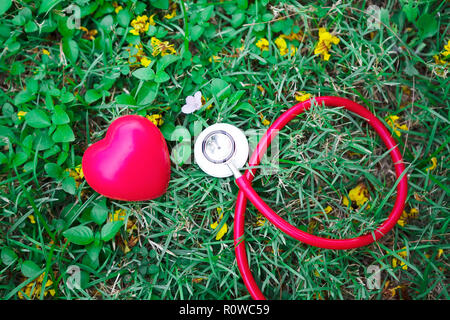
(83, 85)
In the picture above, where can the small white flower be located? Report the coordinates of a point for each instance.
(193, 103)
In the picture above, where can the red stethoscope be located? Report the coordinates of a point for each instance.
(132, 163)
(218, 145)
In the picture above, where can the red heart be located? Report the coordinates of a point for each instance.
(131, 163)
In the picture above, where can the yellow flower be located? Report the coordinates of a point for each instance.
(260, 220)
(21, 114)
(131, 225)
(327, 210)
(262, 44)
(46, 52)
(264, 121)
(198, 280)
(261, 89)
(326, 39)
(119, 215)
(358, 195)
(438, 60)
(88, 34)
(156, 119)
(141, 24)
(145, 62)
(393, 290)
(294, 36)
(32, 220)
(412, 214)
(77, 174)
(433, 164)
(302, 96)
(345, 201)
(222, 230)
(446, 52)
(140, 57)
(34, 288)
(392, 121)
(116, 6)
(173, 11)
(282, 45)
(161, 47)
(151, 21)
(293, 50)
(215, 58)
(403, 253)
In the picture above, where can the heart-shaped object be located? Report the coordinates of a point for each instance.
(131, 163)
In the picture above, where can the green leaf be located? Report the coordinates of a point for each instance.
(245, 106)
(125, 99)
(152, 269)
(20, 158)
(206, 13)
(4, 6)
(196, 32)
(410, 11)
(160, 4)
(428, 25)
(69, 185)
(267, 17)
(237, 19)
(22, 97)
(242, 4)
(167, 130)
(107, 22)
(43, 141)
(31, 27)
(19, 20)
(53, 170)
(92, 95)
(161, 76)
(147, 93)
(410, 70)
(48, 26)
(66, 27)
(47, 5)
(63, 133)
(37, 119)
(32, 85)
(110, 229)
(60, 116)
(144, 74)
(220, 88)
(67, 97)
(8, 256)
(70, 49)
(81, 235)
(123, 17)
(3, 158)
(99, 213)
(17, 68)
(93, 250)
(385, 16)
(166, 60)
(30, 269)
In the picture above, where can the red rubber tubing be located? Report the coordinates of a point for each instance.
(246, 191)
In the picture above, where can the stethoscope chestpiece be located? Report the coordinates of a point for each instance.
(220, 147)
